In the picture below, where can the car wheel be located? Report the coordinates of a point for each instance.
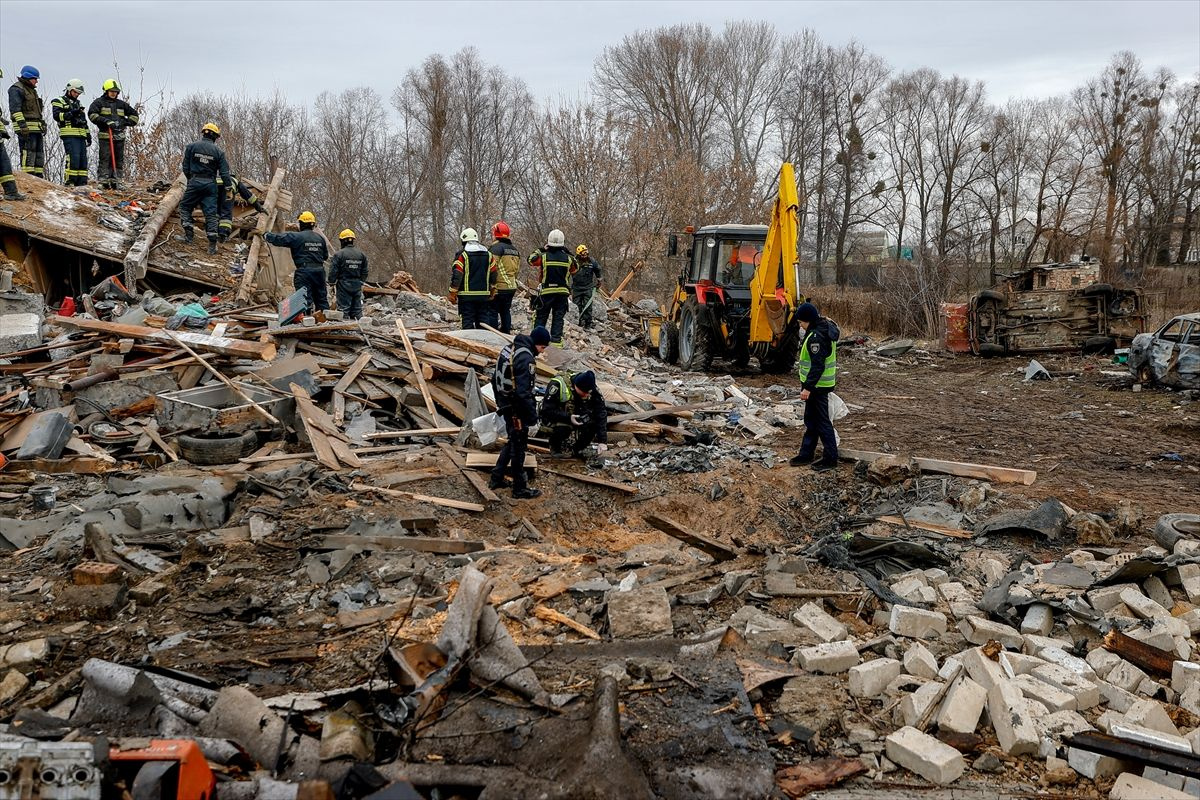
(217, 448)
(1170, 528)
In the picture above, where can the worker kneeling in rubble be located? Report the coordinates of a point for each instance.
(203, 164)
(575, 413)
(348, 272)
(308, 257)
(817, 369)
(513, 381)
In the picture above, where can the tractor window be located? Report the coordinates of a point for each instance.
(701, 258)
(738, 261)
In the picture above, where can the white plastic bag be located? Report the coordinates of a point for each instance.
(837, 407)
(488, 428)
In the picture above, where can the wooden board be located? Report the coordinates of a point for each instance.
(415, 363)
(960, 468)
(421, 498)
(447, 431)
(956, 533)
(620, 487)
(479, 484)
(661, 412)
(673, 529)
(343, 385)
(425, 544)
(263, 351)
(488, 460)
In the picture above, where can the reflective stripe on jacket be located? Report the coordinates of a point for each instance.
(25, 107)
(69, 115)
(557, 266)
(828, 377)
(508, 261)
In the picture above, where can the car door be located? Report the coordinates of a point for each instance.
(1163, 352)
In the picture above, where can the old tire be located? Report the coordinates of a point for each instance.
(1170, 528)
(220, 448)
(695, 339)
(990, 294)
(668, 343)
(1098, 290)
(1099, 345)
(988, 349)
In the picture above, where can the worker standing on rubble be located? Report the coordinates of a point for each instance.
(227, 195)
(473, 281)
(6, 172)
(26, 108)
(817, 369)
(513, 381)
(575, 413)
(203, 164)
(73, 130)
(585, 284)
(508, 263)
(308, 256)
(348, 272)
(558, 267)
(111, 115)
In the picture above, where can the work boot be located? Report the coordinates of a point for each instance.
(188, 236)
(800, 460)
(498, 483)
(212, 247)
(526, 493)
(824, 466)
(12, 193)
(223, 238)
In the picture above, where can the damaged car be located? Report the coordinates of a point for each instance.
(1170, 356)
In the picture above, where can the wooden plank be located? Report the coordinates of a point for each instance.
(488, 460)
(478, 348)
(241, 348)
(667, 411)
(957, 533)
(424, 544)
(710, 546)
(340, 388)
(233, 387)
(620, 487)
(616, 295)
(415, 363)
(960, 468)
(316, 437)
(479, 484)
(447, 431)
(421, 498)
(547, 614)
(139, 252)
(399, 477)
(265, 223)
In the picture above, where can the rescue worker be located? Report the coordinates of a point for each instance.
(817, 369)
(227, 195)
(575, 413)
(508, 264)
(513, 382)
(473, 280)
(557, 266)
(111, 115)
(309, 253)
(6, 171)
(348, 272)
(203, 164)
(26, 108)
(73, 130)
(585, 284)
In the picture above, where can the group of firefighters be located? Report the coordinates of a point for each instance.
(485, 279)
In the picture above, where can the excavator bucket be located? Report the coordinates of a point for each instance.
(776, 286)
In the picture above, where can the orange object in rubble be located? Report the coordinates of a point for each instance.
(177, 766)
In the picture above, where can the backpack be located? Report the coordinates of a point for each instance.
(504, 379)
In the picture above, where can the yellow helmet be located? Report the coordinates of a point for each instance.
(111, 85)
(347, 234)
(581, 250)
(307, 216)
(211, 127)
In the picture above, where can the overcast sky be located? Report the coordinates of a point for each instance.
(1020, 49)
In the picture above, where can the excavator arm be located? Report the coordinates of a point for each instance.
(775, 290)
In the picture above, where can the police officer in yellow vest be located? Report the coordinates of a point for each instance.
(73, 130)
(557, 265)
(817, 368)
(574, 414)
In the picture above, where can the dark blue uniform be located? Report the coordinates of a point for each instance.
(73, 130)
(818, 372)
(308, 254)
(513, 382)
(203, 163)
(348, 272)
(227, 195)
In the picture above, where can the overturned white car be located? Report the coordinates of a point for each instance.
(1170, 356)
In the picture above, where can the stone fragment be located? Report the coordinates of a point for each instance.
(1157, 591)
(1011, 716)
(1093, 765)
(1126, 676)
(962, 708)
(1106, 597)
(914, 705)
(1150, 714)
(983, 670)
(1117, 699)
(1189, 579)
(916, 623)
(1136, 787)
(102, 601)
(829, 658)
(1143, 607)
(1056, 655)
(813, 618)
(920, 662)
(1039, 618)
(870, 678)
(1015, 664)
(32, 651)
(978, 630)
(149, 591)
(920, 753)
(12, 686)
(1051, 697)
(1101, 661)
(1183, 674)
(1087, 694)
(19, 331)
(639, 613)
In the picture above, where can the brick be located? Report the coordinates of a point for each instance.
(1087, 694)
(920, 662)
(910, 588)
(978, 630)
(950, 666)
(1012, 719)
(1051, 697)
(813, 617)
(870, 679)
(1015, 664)
(1035, 643)
(1183, 673)
(1143, 607)
(1189, 699)
(95, 573)
(920, 753)
(1150, 714)
(1039, 618)
(1056, 655)
(639, 612)
(1117, 698)
(914, 706)
(1157, 635)
(1172, 780)
(1157, 591)
(916, 623)
(1189, 579)
(936, 577)
(1126, 676)
(1150, 738)
(983, 670)
(1106, 597)
(1194, 738)
(963, 706)
(1102, 661)
(959, 598)
(1134, 787)
(1061, 725)
(829, 658)
(1093, 765)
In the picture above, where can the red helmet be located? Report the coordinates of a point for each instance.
(501, 230)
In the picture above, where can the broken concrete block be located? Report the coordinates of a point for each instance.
(19, 331)
(959, 598)
(1093, 765)
(1135, 787)
(21, 653)
(978, 630)
(151, 590)
(963, 706)
(1150, 714)
(830, 657)
(92, 602)
(983, 670)
(639, 613)
(1062, 725)
(1016, 730)
(1087, 694)
(916, 623)
(1189, 579)
(1101, 661)
(920, 662)
(1039, 618)
(1015, 664)
(1183, 674)
(1157, 591)
(781, 584)
(12, 686)
(920, 753)
(914, 705)
(1106, 597)
(702, 597)
(1150, 738)
(813, 618)
(870, 679)
(950, 667)
(1117, 699)
(1051, 697)
(1143, 607)
(750, 620)
(1126, 676)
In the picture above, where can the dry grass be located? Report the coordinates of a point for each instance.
(862, 310)
(1170, 292)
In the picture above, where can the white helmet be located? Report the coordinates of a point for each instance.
(468, 235)
(75, 84)
(556, 239)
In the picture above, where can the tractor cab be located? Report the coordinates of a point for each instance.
(725, 257)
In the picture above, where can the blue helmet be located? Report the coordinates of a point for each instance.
(30, 72)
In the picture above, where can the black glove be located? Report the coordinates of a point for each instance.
(258, 206)
(4, 134)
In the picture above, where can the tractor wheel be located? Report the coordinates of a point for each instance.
(668, 342)
(782, 359)
(695, 339)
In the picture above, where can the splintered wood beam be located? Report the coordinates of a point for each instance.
(445, 502)
(710, 546)
(265, 223)
(424, 544)
(139, 252)
(961, 469)
(241, 348)
(620, 487)
(415, 363)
